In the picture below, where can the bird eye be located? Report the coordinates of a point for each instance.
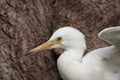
(59, 38)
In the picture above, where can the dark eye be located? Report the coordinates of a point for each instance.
(59, 38)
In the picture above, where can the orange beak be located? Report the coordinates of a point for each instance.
(45, 46)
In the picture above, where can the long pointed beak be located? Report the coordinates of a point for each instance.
(44, 46)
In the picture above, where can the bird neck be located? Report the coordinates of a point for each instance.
(76, 53)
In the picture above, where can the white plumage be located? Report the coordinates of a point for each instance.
(99, 64)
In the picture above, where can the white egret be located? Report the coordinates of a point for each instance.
(99, 64)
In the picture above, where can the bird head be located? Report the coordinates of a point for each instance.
(64, 38)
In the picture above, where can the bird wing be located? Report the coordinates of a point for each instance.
(111, 35)
(105, 62)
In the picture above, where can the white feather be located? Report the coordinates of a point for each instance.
(99, 64)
